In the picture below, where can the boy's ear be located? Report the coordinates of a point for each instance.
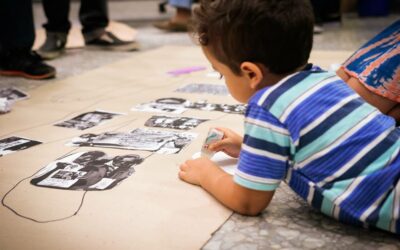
(253, 73)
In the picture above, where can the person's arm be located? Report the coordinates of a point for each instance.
(218, 183)
(382, 103)
(395, 113)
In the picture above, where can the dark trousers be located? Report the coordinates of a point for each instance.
(326, 10)
(16, 26)
(93, 15)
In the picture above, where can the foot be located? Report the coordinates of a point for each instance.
(54, 45)
(108, 41)
(171, 26)
(29, 65)
(178, 23)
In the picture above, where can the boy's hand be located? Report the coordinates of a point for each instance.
(218, 183)
(192, 171)
(230, 144)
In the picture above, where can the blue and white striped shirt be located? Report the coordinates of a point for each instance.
(332, 148)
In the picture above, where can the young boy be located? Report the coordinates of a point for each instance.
(302, 125)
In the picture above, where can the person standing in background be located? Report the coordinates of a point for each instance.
(93, 15)
(16, 41)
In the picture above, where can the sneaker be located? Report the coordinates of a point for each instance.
(54, 45)
(29, 65)
(108, 41)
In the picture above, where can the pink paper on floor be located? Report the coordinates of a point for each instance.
(187, 70)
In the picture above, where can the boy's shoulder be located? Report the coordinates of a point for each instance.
(294, 86)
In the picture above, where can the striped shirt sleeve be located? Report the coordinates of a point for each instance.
(264, 157)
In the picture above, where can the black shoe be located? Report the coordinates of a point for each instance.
(54, 45)
(28, 64)
(108, 41)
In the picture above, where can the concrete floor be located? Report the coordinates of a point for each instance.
(288, 223)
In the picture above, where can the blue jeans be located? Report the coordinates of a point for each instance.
(186, 4)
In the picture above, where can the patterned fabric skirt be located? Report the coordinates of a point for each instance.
(377, 63)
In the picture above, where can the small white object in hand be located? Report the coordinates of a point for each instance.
(212, 136)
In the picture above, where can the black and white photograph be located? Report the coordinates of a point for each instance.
(179, 105)
(87, 120)
(163, 105)
(181, 123)
(162, 142)
(13, 94)
(118, 140)
(204, 88)
(226, 108)
(173, 142)
(12, 144)
(91, 170)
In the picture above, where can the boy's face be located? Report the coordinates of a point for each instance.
(239, 86)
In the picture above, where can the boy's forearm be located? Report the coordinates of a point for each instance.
(239, 199)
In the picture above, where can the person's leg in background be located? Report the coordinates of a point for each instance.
(318, 7)
(325, 11)
(93, 15)
(16, 41)
(180, 21)
(57, 28)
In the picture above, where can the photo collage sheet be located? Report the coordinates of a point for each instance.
(166, 133)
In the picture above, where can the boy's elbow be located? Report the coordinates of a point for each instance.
(250, 210)
(249, 202)
(253, 203)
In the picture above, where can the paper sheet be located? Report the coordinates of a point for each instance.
(152, 209)
(227, 163)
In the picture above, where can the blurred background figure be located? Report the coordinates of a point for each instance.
(93, 15)
(16, 41)
(325, 11)
(179, 22)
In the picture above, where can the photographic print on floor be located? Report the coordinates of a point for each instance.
(181, 123)
(204, 88)
(13, 94)
(14, 143)
(87, 120)
(159, 141)
(163, 105)
(225, 108)
(179, 105)
(92, 170)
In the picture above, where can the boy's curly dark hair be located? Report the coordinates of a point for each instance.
(275, 33)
